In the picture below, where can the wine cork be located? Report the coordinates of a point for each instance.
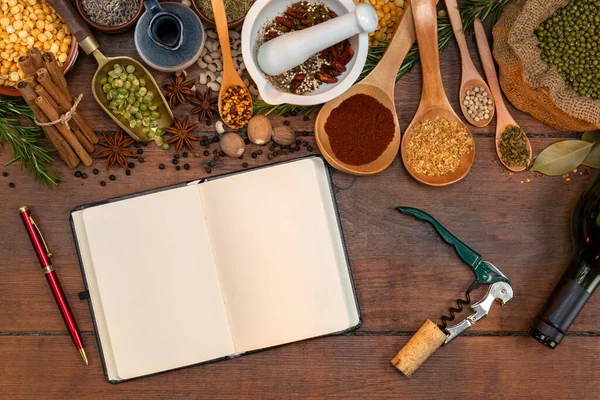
(418, 349)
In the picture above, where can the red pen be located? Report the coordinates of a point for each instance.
(43, 254)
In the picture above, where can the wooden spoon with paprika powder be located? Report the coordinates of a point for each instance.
(379, 84)
(434, 102)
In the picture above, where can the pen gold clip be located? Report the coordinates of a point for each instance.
(37, 228)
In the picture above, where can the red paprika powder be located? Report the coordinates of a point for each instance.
(359, 129)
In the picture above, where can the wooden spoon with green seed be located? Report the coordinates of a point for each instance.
(504, 119)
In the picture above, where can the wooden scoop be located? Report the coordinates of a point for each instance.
(230, 75)
(504, 117)
(434, 102)
(471, 78)
(379, 84)
(105, 64)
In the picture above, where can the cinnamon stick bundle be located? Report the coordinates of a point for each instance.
(27, 65)
(64, 150)
(60, 97)
(39, 89)
(53, 115)
(56, 73)
(36, 57)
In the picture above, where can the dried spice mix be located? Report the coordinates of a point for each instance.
(110, 12)
(513, 147)
(323, 67)
(359, 129)
(436, 146)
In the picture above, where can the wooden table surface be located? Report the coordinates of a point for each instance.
(404, 274)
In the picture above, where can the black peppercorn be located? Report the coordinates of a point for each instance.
(211, 164)
(304, 143)
(259, 152)
(297, 148)
(215, 139)
(186, 166)
(309, 148)
(145, 144)
(161, 166)
(270, 156)
(221, 153)
(84, 176)
(11, 185)
(254, 155)
(141, 160)
(246, 141)
(5, 174)
(102, 183)
(127, 172)
(140, 151)
(208, 170)
(206, 153)
(241, 157)
(174, 161)
(95, 171)
(177, 168)
(216, 158)
(77, 174)
(176, 156)
(137, 145)
(245, 165)
(216, 151)
(292, 150)
(131, 165)
(294, 113)
(112, 178)
(286, 152)
(185, 154)
(286, 122)
(298, 141)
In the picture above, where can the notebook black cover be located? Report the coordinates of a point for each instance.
(194, 182)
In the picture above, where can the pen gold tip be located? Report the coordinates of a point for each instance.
(22, 209)
(82, 352)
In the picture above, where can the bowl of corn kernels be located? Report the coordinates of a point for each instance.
(389, 14)
(25, 24)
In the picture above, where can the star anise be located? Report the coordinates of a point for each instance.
(206, 105)
(116, 150)
(182, 135)
(178, 90)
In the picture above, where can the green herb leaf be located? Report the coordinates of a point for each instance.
(593, 159)
(591, 136)
(562, 157)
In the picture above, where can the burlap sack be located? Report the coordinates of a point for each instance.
(529, 83)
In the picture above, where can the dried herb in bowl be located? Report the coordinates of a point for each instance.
(513, 148)
(110, 12)
(234, 9)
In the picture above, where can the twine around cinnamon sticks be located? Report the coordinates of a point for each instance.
(46, 92)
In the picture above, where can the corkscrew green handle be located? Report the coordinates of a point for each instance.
(484, 271)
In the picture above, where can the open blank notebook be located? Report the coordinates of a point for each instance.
(215, 269)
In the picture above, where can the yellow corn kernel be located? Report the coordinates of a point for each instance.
(399, 3)
(4, 21)
(380, 14)
(30, 41)
(42, 37)
(64, 48)
(60, 35)
(22, 34)
(386, 8)
(46, 46)
(54, 48)
(12, 3)
(35, 32)
(387, 16)
(3, 70)
(13, 38)
(377, 7)
(40, 24)
(62, 58)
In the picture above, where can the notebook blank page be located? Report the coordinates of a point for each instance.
(157, 282)
(279, 255)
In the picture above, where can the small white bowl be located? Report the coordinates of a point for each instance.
(264, 11)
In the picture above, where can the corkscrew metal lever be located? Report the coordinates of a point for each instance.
(430, 336)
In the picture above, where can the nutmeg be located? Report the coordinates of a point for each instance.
(284, 135)
(232, 145)
(260, 130)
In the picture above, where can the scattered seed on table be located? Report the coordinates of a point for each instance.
(270, 156)
(5, 174)
(309, 148)
(286, 122)
(216, 151)
(259, 152)
(216, 158)
(77, 174)
(176, 156)
(304, 143)
(221, 154)
(102, 183)
(177, 168)
(208, 169)
(95, 171)
(185, 154)
(174, 161)
(215, 139)
(137, 145)
(11, 185)
(298, 141)
(206, 153)
(161, 166)
(254, 155)
(112, 177)
(197, 154)
(304, 133)
(141, 159)
(145, 144)
(246, 141)
(286, 152)
(245, 165)
(186, 166)
(128, 172)
(140, 151)
(131, 165)
(211, 164)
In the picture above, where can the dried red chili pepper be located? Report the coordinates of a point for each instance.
(330, 70)
(325, 77)
(284, 21)
(338, 66)
(346, 55)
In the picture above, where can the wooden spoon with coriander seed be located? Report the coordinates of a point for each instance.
(379, 84)
(504, 118)
(434, 102)
(231, 79)
(471, 78)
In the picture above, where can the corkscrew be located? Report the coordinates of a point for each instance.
(431, 336)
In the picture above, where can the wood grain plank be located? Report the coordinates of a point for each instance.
(337, 367)
(404, 273)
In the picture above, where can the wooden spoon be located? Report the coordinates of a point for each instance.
(471, 78)
(230, 75)
(379, 84)
(434, 102)
(504, 117)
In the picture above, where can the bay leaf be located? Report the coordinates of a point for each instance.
(562, 157)
(593, 159)
(591, 136)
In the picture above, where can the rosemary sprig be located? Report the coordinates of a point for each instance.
(469, 10)
(262, 107)
(23, 141)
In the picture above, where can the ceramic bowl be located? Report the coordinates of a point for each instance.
(71, 58)
(111, 29)
(208, 21)
(264, 11)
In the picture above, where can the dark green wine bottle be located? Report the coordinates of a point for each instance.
(582, 275)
